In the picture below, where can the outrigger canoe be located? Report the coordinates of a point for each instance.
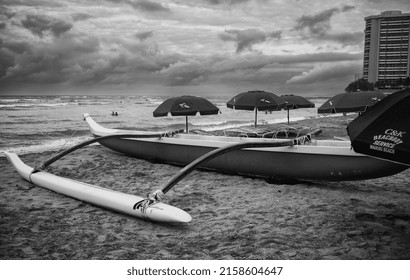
(329, 160)
(102, 197)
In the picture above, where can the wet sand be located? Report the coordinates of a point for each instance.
(234, 217)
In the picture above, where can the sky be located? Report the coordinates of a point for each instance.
(176, 47)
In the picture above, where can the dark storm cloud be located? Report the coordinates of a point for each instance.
(16, 47)
(347, 8)
(81, 16)
(345, 39)
(143, 5)
(256, 67)
(191, 72)
(31, 3)
(6, 14)
(144, 35)
(318, 26)
(82, 44)
(83, 60)
(246, 38)
(405, 3)
(49, 62)
(39, 24)
(6, 59)
(229, 2)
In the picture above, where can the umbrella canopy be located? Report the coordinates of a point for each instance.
(256, 100)
(350, 102)
(383, 131)
(186, 106)
(296, 102)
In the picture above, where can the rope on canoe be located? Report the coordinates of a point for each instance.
(151, 199)
(68, 139)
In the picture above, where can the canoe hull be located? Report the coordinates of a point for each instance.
(105, 198)
(285, 162)
(325, 160)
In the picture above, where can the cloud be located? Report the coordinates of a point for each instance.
(48, 62)
(228, 2)
(185, 73)
(83, 59)
(15, 47)
(327, 71)
(318, 27)
(316, 24)
(32, 3)
(5, 16)
(347, 8)
(143, 5)
(40, 24)
(345, 38)
(144, 35)
(245, 39)
(400, 2)
(81, 16)
(250, 68)
(176, 43)
(6, 60)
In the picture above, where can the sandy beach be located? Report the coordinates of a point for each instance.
(234, 217)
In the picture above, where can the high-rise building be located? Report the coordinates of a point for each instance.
(386, 48)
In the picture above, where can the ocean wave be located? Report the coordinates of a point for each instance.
(9, 100)
(149, 100)
(22, 121)
(224, 125)
(28, 105)
(93, 103)
(50, 145)
(23, 136)
(208, 123)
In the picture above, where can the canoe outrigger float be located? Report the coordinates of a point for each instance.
(113, 200)
(296, 158)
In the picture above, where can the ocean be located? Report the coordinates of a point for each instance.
(30, 124)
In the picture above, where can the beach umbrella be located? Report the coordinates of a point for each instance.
(383, 131)
(186, 106)
(256, 101)
(296, 102)
(350, 102)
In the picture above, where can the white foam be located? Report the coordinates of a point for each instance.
(25, 105)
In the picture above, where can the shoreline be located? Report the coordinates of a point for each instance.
(234, 217)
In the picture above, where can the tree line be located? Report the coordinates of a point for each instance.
(363, 85)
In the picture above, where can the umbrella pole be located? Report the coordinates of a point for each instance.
(186, 124)
(256, 116)
(288, 116)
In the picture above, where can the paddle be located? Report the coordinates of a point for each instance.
(157, 195)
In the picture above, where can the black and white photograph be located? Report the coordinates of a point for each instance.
(238, 134)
